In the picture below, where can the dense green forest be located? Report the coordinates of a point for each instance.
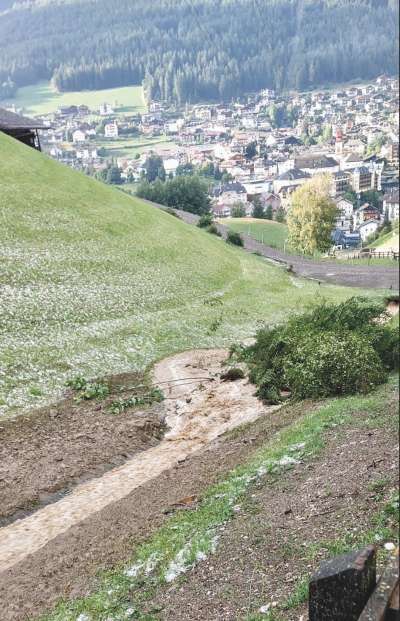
(190, 50)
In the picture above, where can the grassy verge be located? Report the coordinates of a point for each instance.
(188, 537)
(275, 234)
(390, 239)
(385, 262)
(130, 147)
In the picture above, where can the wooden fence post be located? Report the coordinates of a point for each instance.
(383, 604)
(342, 586)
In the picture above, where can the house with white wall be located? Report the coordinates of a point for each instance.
(78, 136)
(111, 130)
(391, 206)
(367, 228)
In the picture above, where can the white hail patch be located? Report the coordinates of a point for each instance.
(145, 567)
(181, 562)
(287, 460)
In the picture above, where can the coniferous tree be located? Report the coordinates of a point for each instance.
(154, 168)
(258, 209)
(269, 214)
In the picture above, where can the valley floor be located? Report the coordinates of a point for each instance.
(308, 481)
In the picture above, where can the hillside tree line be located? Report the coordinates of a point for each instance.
(199, 50)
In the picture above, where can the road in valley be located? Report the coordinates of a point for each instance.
(335, 272)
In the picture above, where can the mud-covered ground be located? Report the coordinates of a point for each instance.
(192, 439)
(67, 566)
(46, 454)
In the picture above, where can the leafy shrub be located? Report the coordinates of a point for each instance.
(332, 365)
(205, 220)
(213, 230)
(233, 374)
(331, 350)
(234, 238)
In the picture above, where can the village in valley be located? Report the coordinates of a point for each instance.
(255, 151)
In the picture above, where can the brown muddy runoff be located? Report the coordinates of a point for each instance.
(198, 408)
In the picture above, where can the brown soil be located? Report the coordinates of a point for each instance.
(44, 455)
(103, 527)
(67, 565)
(261, 554)
(199, 408)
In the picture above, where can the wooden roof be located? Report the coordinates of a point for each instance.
(10, 120)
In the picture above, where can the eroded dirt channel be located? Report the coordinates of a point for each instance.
(198, 408)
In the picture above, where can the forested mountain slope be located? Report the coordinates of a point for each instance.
(190, 50)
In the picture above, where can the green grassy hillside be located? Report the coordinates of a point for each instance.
(388, 242)
(95, 282)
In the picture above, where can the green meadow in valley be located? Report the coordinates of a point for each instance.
(42, 98)
(269, 232)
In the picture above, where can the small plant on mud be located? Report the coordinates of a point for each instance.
(88, 390)
(120, 405)
(233, 374)
(77, 383)
(95, 390)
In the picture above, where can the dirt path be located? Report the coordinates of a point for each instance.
(198, 410)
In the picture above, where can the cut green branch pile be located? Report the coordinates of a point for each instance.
(331, 350)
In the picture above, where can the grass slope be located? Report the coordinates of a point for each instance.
(41, 98)
(387, 243)
(267, 231)
(94, 282)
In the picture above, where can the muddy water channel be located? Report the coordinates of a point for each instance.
(198, 408)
